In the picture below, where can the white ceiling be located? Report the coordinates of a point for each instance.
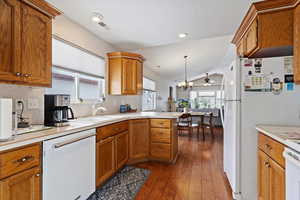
(204, 55)
(143, 23)
(151, 27)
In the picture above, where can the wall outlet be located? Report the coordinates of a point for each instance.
(33, 103)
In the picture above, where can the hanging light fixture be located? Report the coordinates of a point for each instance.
(185, 84)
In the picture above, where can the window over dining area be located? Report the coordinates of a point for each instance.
(206, 99)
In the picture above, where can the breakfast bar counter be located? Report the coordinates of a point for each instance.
(81, 124)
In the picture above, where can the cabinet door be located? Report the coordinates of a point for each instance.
(241, 48)
(139, 139)
(129, 76)
(25, 185)
(297, 45)
(10, 42)
(139, 66)
(276, 181)
(251, 38)
(121, 149)
(263, 175)
(105, 159)
(36, 47)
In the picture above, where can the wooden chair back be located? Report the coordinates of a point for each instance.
(185, 118)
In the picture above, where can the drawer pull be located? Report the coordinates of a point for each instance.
(116, 129)
(24, 159)
(37, 175)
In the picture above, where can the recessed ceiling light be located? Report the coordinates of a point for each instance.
(97, 17)
(183, 35)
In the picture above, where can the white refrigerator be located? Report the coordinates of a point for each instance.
(245, 108)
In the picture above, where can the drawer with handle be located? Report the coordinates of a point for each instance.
(162, 135)
(160, 151)
(18, 160)
(160, 123)
(111, 130)
(272, 148)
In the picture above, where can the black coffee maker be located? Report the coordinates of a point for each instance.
(57, 110)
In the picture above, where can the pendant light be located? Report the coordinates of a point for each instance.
(185, 84)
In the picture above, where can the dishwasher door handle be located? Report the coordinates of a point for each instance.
(62, 144)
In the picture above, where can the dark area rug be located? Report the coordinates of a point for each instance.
(124, 185)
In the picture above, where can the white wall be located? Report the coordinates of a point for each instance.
(70, 31)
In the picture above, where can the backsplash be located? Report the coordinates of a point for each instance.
(25, 93)
(36, 115)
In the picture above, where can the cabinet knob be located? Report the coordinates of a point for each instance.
(37, 175)
(26, 75)
(267, 164)
(268, 147)
(25, 159)
(18, 74)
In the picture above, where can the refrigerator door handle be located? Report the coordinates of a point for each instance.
(223, 101)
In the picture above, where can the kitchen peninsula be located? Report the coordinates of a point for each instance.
(120, 139)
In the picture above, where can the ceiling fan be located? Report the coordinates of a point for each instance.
(207, 82)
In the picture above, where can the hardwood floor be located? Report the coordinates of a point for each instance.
(197, 174)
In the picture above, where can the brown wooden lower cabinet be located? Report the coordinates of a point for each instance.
(138, 140)
(277, 181)
(121, 149)
(163, 140)
(160, 151)
(271, 171)
(119, 144)
(22, 186)
(262, 175)
(105, 159)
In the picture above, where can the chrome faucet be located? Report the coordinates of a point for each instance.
(98, 109)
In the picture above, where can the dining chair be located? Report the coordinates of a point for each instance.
(185, 123)
(206, 122)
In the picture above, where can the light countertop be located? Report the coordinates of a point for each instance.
(80, 125)
(282, 134)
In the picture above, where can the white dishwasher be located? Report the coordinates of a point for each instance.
(292, 174)
(69, 166)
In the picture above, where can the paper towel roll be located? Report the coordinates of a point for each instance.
(5, 119)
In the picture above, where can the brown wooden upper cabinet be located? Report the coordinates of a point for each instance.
(266, 30)
(125, 72)
(25, 45)
(297, 44)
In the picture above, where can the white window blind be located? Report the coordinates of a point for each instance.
(76, 72)
(68, 56)
(63, 82)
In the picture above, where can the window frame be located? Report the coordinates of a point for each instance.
(215, 98)
(149, 90)
(77, 75)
